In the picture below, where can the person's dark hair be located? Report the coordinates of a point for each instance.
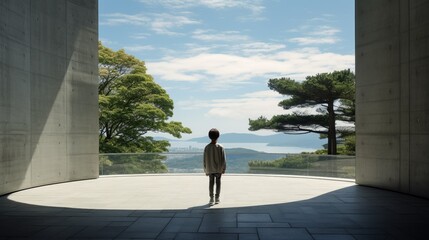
(214, 134)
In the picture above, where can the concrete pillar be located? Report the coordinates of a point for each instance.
(392, 100)
(48, 92)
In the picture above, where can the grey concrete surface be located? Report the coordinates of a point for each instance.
(48, 92)
(176, 207)
(392, 100)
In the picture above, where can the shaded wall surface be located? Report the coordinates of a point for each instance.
(392, 95)
(48, 92)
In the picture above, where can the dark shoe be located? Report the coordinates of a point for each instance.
(211, 200)
(217, 200)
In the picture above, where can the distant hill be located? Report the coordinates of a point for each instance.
(309, 140)
(164, 139)
(242, 151)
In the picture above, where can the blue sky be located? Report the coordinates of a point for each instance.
(215, 57)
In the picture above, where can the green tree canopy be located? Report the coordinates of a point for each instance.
(131, 105)
(323, 91)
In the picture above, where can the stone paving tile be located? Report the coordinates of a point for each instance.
(160, 214)
(359, 200)
(320, 220)
(188, 214)
(75, 213)
(215, 227)
(317, 208)
(284, 234)
(363, 231)
(183, 225)
(58, 232)
(328, 231)
(97, 239)
(263, 224)
(112, 213)
(206, 236)
(379, 237)
(204, 211)
(166, 236)
(30, 213)
(32, 221)
(19, 231)
(332, 237)
(234, 210)
(371, 220)
(213, 222)
(290, 208)
(94, 221)
(250, 217)
(362, 209)
(145, 213)
(407, 232)
(400, 209)
(324, 199)
(238, 230)
(145, 228)
(128, 239)
(248, 237)
(120, 224)
(100, 232)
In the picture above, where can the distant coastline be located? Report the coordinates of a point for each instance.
(276, 143)
(188, 146)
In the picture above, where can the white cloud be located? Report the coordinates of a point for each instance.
(226, 36)
(195, 49)
(250, 105)
(140, 36)
(121, 19)
(323, 18)
(139, 48)
(252, 48)
(242, 49)
(233, 114)
(163, 23)
(263, 94)
(222, 71)
(314, 40)
(254, 6)
(193, 104)
(317, 36)
(325, 31)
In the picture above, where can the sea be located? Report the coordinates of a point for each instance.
(189, 146)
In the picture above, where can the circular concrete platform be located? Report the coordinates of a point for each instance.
(173, 191)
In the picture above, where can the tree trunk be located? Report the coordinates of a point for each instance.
(332, 133)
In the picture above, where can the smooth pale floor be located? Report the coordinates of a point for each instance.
(174, 206)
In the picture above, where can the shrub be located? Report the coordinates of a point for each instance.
(294, 161)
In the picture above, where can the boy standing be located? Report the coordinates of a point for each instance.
(214, 163)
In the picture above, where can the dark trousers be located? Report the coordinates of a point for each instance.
(214, 177)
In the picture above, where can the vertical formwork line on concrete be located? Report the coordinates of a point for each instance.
(49, 114)
(392, 100)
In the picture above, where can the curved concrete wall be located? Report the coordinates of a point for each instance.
(48, 92)
(392, 94)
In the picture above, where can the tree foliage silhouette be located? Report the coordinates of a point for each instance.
(131, 104)
(331, 94)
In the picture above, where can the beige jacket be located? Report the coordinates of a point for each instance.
(214, 159)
